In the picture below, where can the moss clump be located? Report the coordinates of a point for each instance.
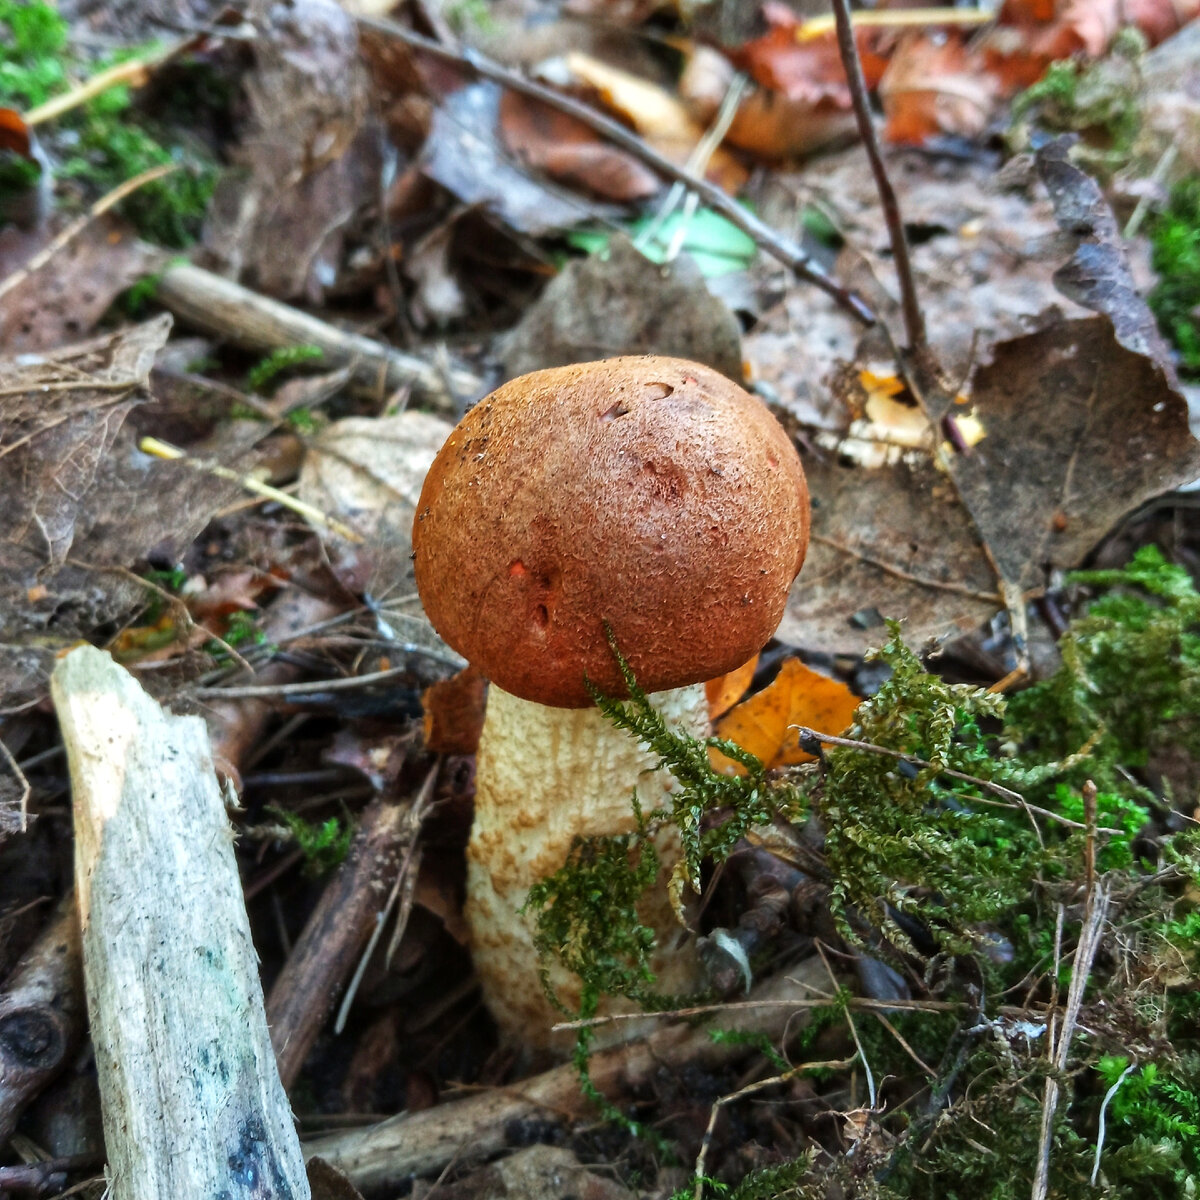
(103, 143)
(1176, 258)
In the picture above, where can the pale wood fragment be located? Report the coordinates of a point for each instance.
(192, 1102)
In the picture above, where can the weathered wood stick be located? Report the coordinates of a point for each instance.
(328, 949)
(220, 306)
(383, 1156)
(41, 1015)
(191, 1097)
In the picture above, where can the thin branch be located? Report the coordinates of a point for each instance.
(26, 790)
(1018, 801)
(283, 690)
(956, 589)
(775, 244)
(914, 321)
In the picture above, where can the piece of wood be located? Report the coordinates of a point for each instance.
(41, 1015)
(384, 1156)
(218, 305)
(193, 1105)
(336, 933)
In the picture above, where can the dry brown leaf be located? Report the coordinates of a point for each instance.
(764, 724)
(454, 711)
(658, 115)
(935, 86)
(546, 139)
(725, 692)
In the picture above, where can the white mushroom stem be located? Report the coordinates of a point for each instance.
(545, 776)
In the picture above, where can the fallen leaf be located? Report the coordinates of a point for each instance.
(767, 123)
(80, 498)
(63, 300)
(1098, 275)
(454, 711)
(620, 302)
(658, 115)
(367, 472)
(935, 86)
(464, 155)
(809, 69)
(308, 158)
(546, 139)
(764, 723)
(725, 692)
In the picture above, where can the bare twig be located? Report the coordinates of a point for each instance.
(939, 585)
(1018, 800)
(914, 321)
(774, 243)
(26, 790)
(1058, 1049)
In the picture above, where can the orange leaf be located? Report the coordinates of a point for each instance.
(935, 87)
(798, 696)
(725, 692)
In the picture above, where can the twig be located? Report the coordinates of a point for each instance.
(774, 243)
(175, 603)
(1089, 848)
(1164, 164)
(999, 789)
(150, 445)
(134, 72)
(26, 790)
(749, 1090)
(406, 878)
(221, 306)
(957, 589)
(76, 227)
(914, 321)
(896, 18)
(1094, 913)
(283, 690)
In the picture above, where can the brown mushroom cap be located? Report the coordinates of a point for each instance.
(651, 493)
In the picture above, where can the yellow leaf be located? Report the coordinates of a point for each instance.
(798, 696)
(725, 692)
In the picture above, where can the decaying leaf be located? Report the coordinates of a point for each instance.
(454, 710)
(935, 86)
(765, 724)
(463, 154)
(309, 161)
(545, 139)
(620, 302)
(367, 472)
(62, 300)
(79, 498)
(659, 116)
(1098, 275)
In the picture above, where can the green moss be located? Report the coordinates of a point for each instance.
(285, 358)
(324, 844)
(103, 143)
(1176, 257)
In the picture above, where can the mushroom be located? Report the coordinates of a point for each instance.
(651, 495)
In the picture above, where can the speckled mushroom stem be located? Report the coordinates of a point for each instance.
(545, 776)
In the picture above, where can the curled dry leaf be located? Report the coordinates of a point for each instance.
(79, 498)
(454, 711)
(620, 302)
(765, 724)
(548, 140)
(935, 86)
(659, 116)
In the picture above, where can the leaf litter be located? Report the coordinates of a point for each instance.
(1055, 414)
